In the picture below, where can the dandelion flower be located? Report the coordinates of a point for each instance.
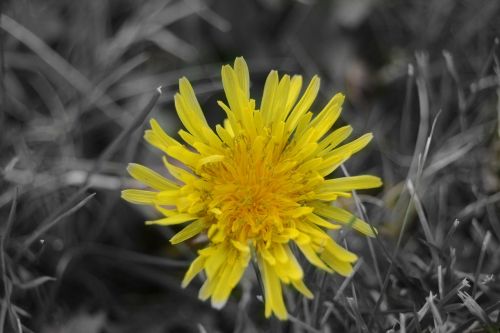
(256, 186)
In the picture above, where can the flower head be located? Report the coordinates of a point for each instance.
(256, 185)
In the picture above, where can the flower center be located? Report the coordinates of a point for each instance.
(253, 195)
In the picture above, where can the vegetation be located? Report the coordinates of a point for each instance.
(78, 79)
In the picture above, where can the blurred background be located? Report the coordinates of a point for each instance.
(78, 81)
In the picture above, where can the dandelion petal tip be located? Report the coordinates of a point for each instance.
(219, 304)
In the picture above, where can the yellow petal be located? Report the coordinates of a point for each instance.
(312, 230)
(140, 196)
(342, 267)
(216, 260)
(353, 146)
(157, 137)
(241, 70)
(279, 253)
(293, 268)
(300, 211)
(328, 196)
(303, 125)
(232, 90)
(295, 86)
(224, 135)
(272, 290)
(223, 287)
(339, 252)
(166, 198)
(345, 217)
(178, 172)
(207, 289)
(175, 219)
(228, 278)
(334, 139)
(279, 112)
(310, 165)
(268, 95)
(322, 222)
(209, 159)
(232, 123)
(302, 238)
(266, 254)
(187, 93)
(150, 177)
(351, 183)
(195, 268)
(331, 163)
(304, 104)
(240, 246)
(191, 230)
(302, 288)
(165, 211)
(312, 257)
(327, 117)
(239, 269)
(288, 270)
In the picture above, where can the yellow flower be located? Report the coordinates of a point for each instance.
(256, 185)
